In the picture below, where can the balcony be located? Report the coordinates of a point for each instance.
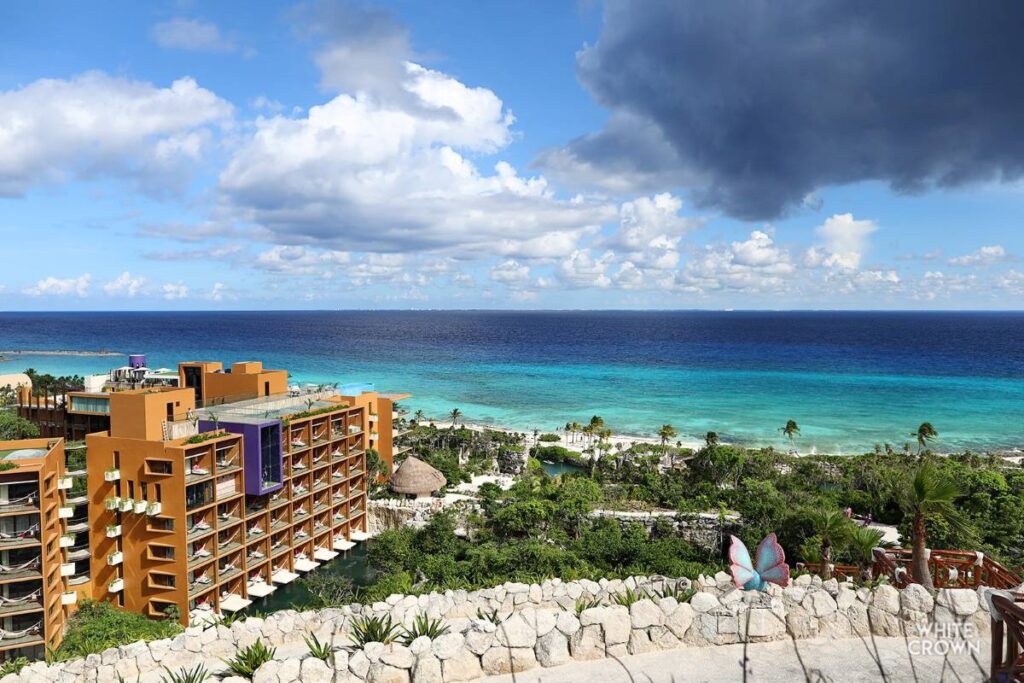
(112, 475)
(127, 505)
(67, 541)
(65, 513)
(154, 509)
(113, 530)
(69, 598)
(140, 507)
(64, 483)
(67, 569)
(116, 586)
(115, 558)
(112, 504)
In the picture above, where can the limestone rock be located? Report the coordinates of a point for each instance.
(960, 601)
(465, 666)
(552, 648)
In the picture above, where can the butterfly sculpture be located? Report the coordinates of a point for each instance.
(770, 567)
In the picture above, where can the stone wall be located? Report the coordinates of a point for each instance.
(516, 627)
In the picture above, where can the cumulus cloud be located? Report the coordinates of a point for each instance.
(758, 105)
(299, 260)
(96, 125)
(583, 269)
(511, 273)
(174, 290)
(125, 284)
(194, 35)
(650, 230)
(756, 264)
(845, 240)
(984, 256)
(220, 292)
(1013, 282)
(386, 165)
(52, 286)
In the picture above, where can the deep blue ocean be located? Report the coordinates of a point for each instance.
(850, 379)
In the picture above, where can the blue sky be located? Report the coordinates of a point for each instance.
(497, 155)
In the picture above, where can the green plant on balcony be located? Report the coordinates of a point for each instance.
(205, 436)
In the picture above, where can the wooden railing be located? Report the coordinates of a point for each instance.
(948, 569)
(1007, 662)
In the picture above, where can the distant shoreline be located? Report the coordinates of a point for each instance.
(60, 353)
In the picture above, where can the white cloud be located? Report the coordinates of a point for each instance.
(1013, 282)
(194, 35)
(174, 290)
(650, 230)
(299, 260)
(125, 285)
(511, 273)
(388, 170)
(220, 292)
(845, 241)
(97, 125)
(984, 256)
(582, 269)
(935, 284)
(629, 276)
(53, 286)
(756, 264)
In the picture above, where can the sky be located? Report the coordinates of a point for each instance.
(625, 154)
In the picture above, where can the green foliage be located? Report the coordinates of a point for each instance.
(629, 597)
(424, 626)
(13, 666)
(197, 674)
(6, 465)
(327, 590)
(322, 651)
(488, 615)
(13, 427)
(97, 626)
(549, 438)
(374, 629)
(675, 591)
(248, 659)
(587, 603)
(205, 436)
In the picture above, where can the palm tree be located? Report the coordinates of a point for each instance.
(711, 439)
(418, 417)
(832, 526)
(929, 495)
(862, 542)
(666, 433)
(925, 433)
(568, 432)
(455, 415)
(790, 430)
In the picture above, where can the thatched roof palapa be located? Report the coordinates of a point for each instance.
(417, 478)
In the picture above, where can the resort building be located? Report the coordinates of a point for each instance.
(37, 578)
(201, 505)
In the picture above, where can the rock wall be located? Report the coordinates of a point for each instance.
(516, 627)
(385, 515)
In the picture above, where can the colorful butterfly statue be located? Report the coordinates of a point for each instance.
(770, 567)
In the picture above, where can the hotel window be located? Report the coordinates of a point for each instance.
(159, 498)
(145, 490)
(117, 460)
(131, 489)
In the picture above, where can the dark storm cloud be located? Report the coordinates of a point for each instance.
(761, 102)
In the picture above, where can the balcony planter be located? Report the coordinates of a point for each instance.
(67, 569)
(127, 504)
(115, 558)
(154, 509)
(113, 530)
(141, 506)
(69, 598)
(65, 512)
(112, 503)
(67, 540)
(64, 483)
(116, 586)
(112, 475)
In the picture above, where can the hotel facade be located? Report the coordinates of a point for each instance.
(203, 494)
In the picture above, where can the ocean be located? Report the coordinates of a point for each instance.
(850, 379)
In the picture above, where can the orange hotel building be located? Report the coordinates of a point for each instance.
(201, 498)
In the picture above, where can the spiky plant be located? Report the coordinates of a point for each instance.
(629, 597)
(423, 625)
(248, 659)
(488, 615)
(585, 604)
(322, 651)
(197, 674)
(374, 630)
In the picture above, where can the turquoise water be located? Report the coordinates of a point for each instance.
(850, 380)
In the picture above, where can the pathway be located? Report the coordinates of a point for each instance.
(841, 661)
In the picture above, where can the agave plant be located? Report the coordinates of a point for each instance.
(488, 615)
(629, 597)
(374, 630)
(424, 626)
(675, 591)
(585, 604)
(248, 659)
(197, 674)
(322, 651)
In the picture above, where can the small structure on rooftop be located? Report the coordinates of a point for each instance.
(416, 478)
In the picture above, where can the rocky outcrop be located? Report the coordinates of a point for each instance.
(516, 627)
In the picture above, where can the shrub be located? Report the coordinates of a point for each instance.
(549, 438)
(97, 626)
(322, 651)
(248, 659)
(424, 626)
(585, 604)
(198, 674)
(374, 630)
(488, 615)
(679, 593)
(629, 597)
(13, 666)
